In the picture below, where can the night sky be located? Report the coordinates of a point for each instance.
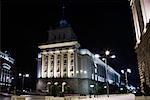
(99, 25)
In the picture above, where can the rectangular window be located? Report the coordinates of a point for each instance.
(72, 62)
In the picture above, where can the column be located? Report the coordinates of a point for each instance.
(143, 13)
(55, 67)
(68, 61)
(62, 64)
(49, 65)
(43, 64)
(136, 23)
(76, 62)
(0, 75)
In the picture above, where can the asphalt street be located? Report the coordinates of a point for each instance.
(5, 98)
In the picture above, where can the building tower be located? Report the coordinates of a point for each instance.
(63, 67)
(141, 17)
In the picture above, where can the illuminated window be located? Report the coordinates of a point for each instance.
(95, 70)
(92, 76)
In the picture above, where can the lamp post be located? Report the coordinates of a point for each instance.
(23, 76)
(80, 74)
(125, 72)
(107, 55)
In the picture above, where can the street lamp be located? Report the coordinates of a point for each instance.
(126, 71)
(79, 74)
(23, 76)
(107, 55)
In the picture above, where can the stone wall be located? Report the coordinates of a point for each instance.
(143, 57)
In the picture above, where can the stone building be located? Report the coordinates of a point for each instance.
(6, 72)
(141, 17)
(63, 64)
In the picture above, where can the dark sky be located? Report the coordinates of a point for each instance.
(98, 24)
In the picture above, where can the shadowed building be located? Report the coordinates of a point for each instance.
(71, 70)
(141, 17)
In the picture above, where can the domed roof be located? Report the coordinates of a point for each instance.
(63, 23)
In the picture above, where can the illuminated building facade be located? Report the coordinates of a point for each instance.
(141, 17)
(6, 71)
(62, 63)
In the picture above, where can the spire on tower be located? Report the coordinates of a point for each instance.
(63, 22)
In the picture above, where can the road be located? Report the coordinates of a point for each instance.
(5, 98)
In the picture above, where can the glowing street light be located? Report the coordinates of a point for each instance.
(20, 74)
(23, 76)
(113, 56)
(107, 53)
(26, 75)
(126, 71)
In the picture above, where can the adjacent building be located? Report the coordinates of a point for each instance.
(141, 17)
(62, 63)
(6, 71)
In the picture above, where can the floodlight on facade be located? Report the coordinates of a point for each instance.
(97, 55)
(81, 71)
(77, 72)
(85, 72)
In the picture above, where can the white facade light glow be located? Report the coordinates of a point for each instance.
(110, 81)
(48, 83)
(97, 55)
(57, 51)
(77, 72)
(81, 71)
(121, 89)
(107, 53)
(64, 83)
(91, 85)
(70, 50)
(39, 55)
(105, 87)
(7, 77)
(103, 59)
(129, 70)
(85, 72)
(56, 83)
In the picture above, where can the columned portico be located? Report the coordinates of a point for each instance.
(58, 62)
